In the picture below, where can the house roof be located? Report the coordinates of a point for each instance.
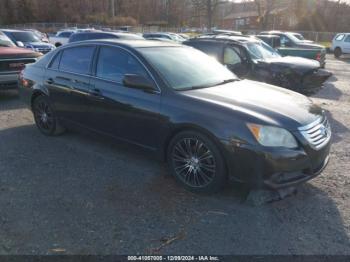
(254, 13)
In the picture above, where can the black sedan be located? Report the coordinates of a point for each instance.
(249, 57)
(185, 107)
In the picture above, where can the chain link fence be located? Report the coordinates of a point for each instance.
(54, 27)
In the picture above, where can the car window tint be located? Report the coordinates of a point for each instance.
(114, 63)
(56, 61)
(212, 49)
(65, 34)
(231, 57)
(285, 41)
(77, 59)
(340, 37)
(347, 39)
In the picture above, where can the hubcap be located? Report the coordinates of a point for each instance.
(194, 163)
(43, 116)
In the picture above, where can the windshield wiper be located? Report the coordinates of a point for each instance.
(227, 81)
(211, 85)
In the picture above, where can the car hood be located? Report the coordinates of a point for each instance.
(294, 62)
(16, 52)
(38, 45)
(261, 102)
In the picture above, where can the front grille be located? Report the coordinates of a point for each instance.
(14, 65)
(317, 133)
(44, 50)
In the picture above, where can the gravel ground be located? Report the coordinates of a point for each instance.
(76, 194)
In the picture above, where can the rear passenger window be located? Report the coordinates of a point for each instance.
(114, 63)
(55, 62)
(77, 59)
(347, 39)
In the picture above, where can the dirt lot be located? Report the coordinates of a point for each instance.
(75, 194)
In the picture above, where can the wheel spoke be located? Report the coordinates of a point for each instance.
(194, 163)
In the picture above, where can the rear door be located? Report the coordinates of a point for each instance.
(68, 81)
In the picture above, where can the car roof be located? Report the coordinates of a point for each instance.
(237, 39)
(127, 43)
(13, 30)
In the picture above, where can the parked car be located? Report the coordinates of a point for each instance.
(169, 36)
(12, 61)
(102, 35)
(292, 46)
(341, 44)
(249, 57)
(184, 106)
(61, 37)
(28, 39)
(40, 35)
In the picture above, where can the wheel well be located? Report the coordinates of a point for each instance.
(338, 47)
(189, 128)
(35, 96)
(58, 44)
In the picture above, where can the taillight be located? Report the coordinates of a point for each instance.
(23, 81)
(318, 57)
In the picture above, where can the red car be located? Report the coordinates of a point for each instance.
(12, 61)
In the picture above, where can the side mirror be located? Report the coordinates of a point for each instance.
(138, 82)
(20, 44)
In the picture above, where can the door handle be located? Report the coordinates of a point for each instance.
(49, 81)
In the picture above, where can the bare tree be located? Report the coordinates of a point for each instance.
(264, 9)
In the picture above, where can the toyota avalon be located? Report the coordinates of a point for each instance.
(184, 106)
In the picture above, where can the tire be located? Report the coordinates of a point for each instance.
(337, 52)
(206, 175)
(45, 118)
(58, 44)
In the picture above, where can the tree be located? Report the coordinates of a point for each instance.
(264, 8)
(207, 8)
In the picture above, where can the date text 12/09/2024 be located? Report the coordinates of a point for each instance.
(173, 258)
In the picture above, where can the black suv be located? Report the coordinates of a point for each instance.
(250, 57)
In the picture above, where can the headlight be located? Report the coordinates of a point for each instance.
(272, 136)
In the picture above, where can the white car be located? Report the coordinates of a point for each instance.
(341, 44)
(61, 38)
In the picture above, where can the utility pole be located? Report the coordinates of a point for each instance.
(112, 8)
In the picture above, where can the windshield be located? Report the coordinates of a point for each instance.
(186, 68)
(25, 37)
(293, 38)
(5, 41)
(260, 50)
(299, 36)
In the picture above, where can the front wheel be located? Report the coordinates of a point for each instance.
(45, 118)
(196, 162)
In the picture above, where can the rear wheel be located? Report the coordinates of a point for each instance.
(45, 118)
(338, 52)
(196, 162)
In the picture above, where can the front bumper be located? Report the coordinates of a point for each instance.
(275, 168)
(315, 78)
(9, 80)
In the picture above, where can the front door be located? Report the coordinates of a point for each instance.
(120, 111)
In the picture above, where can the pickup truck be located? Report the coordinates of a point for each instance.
(61, 37)
(12, 60)
(287, 44)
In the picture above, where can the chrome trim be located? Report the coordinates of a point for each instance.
(317, 133)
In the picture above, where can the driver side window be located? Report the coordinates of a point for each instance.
(231, 57)
(285, 41)
(114, 63)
